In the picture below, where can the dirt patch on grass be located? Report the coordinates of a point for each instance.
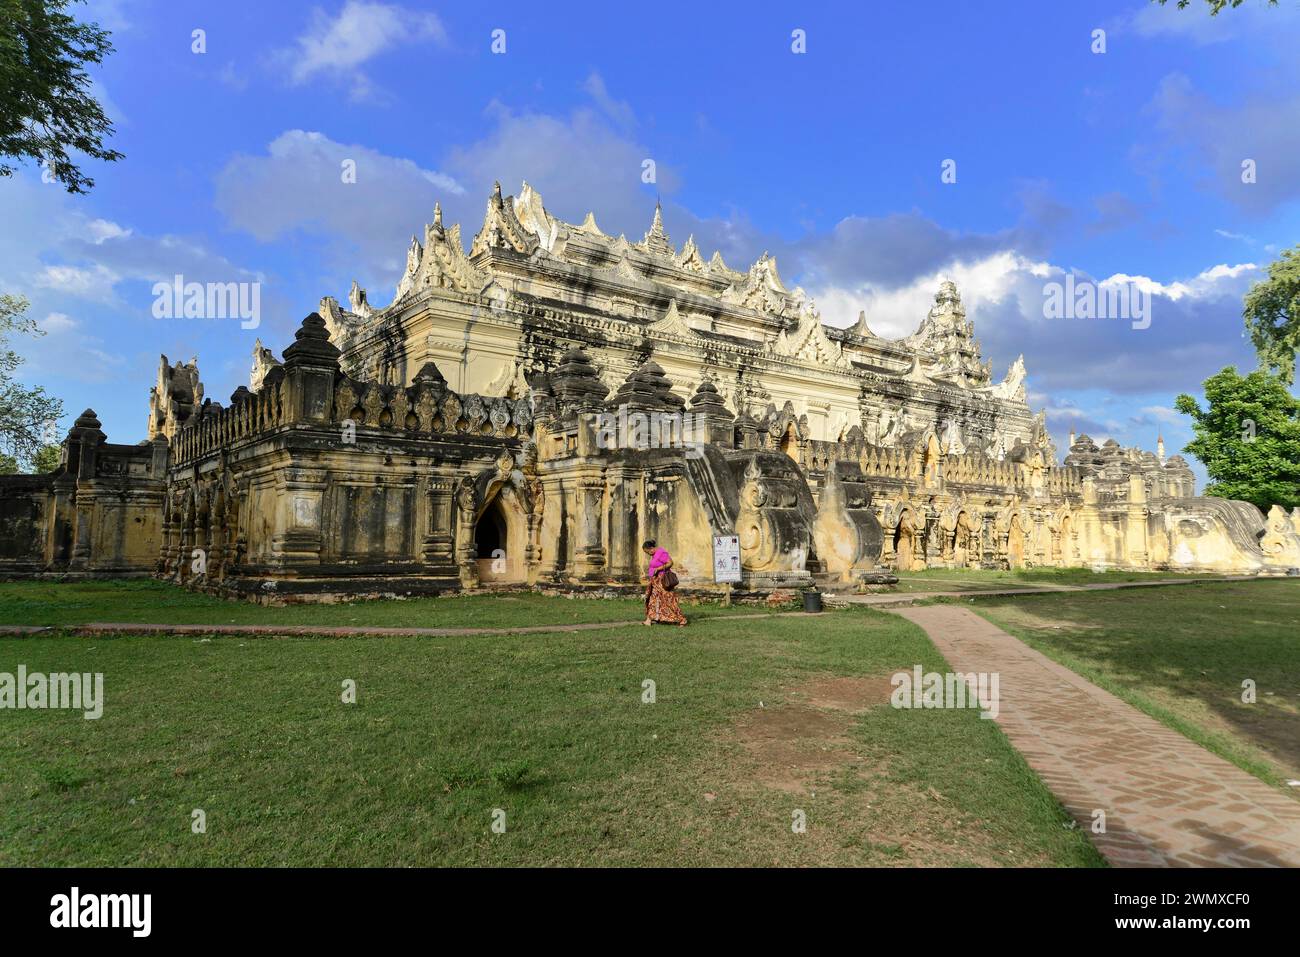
(853, 695)
(805, 747)
(791, 744)
(806, 754)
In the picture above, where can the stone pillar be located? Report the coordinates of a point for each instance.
(310, 366)
(296, 541)
(1135, 536)
(84, 439)
(436, 549)
(533, 550)
(168, 549)
(218, 550)
(466, 511)
(590, 551)
(624, 551)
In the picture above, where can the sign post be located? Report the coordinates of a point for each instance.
(726, 562)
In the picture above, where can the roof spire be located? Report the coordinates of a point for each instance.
(656, 239)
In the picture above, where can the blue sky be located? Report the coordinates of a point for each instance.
(1126, 162)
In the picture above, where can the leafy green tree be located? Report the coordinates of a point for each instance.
(46, 108)
(47, 459)
(27, 415)
(8, 465)
(1215, 5)
(1272, 314)
(1248, 438)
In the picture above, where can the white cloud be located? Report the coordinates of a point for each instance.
(620, 111)
(1204, 285)
(297, 188)
(897, 312)
(1240, 237)
(94, 282)
(339, 46)
(1163, 413)
(57, 322)
(99, 230)
(578, 163)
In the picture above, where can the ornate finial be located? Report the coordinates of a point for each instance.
(437, 211)
(311, 345)
(496, 191)
(431, 376)
(656, 238)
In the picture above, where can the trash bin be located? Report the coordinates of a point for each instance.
(812, 601)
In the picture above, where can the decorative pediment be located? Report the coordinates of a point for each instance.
(440, 263)
(532, 216)
(338, 321)
(809, 343)
(510, 382)
(760, 290)
(860, 328)
(501, 228)
(625, 266)
(690, 257)
(358, 302)
(1012, 385)
(414, 253)
(914, 372)
(671, 323)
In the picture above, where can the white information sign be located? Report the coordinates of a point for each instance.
(726, 558)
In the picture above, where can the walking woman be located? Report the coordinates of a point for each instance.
(660, 602)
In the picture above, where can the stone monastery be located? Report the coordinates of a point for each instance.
(530, 410)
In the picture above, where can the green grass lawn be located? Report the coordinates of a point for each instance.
(976, 580)
(551, 729)
(1181, 655)
(149, 601)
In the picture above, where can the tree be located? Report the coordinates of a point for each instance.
(1248, 439)
(27, 415)
(46, 107)
(1215, 5)
(47, 459)
(1272, 314)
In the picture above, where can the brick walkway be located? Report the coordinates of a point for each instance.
(1168, 801)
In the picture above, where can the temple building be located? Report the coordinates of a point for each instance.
(530, 410)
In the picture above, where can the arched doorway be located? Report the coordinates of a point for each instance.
(491, 545)
(1067, 541)
(1015, 543)
(904, 543)
(961, 541)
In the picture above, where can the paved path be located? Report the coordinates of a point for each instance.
(898, 599)
(1168, 801)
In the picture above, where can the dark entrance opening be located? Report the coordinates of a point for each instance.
(490, 533)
